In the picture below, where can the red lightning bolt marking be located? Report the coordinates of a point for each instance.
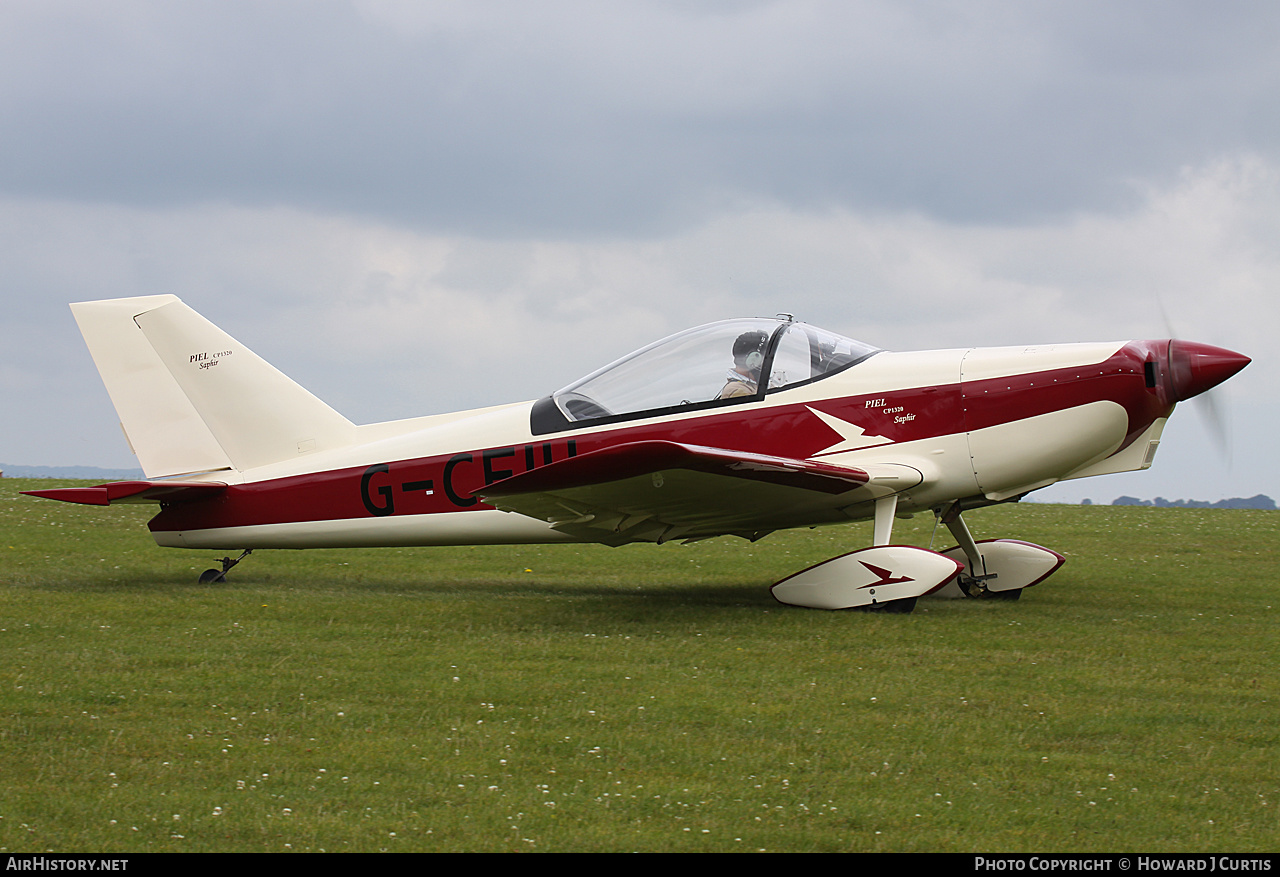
(886, 577)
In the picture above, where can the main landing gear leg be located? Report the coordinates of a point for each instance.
(220, 575)
(996, 569)
(882, 534)
(973, 580)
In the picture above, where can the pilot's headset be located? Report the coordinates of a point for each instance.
(748, 350)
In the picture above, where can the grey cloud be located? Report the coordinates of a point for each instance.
(582, 118)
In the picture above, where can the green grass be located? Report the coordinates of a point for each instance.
(578, 698)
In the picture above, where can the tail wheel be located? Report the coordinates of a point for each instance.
(210, 576)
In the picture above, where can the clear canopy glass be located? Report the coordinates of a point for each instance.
(719, 363)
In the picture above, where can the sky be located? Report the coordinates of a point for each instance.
(416, 207)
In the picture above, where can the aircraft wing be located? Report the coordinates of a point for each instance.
(655, 491)
(133, 491)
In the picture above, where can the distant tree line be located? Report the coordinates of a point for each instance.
(1261, 501)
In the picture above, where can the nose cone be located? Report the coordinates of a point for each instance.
(1194, 368)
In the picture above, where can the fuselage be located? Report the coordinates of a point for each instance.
(986, 424)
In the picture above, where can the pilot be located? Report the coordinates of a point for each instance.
(748, 357)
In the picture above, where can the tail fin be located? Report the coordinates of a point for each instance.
(193, 399)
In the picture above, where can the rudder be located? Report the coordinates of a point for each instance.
(191, 398)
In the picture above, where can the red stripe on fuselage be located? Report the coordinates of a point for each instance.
(445, 483)
(1120, 379)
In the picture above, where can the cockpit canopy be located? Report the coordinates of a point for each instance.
(712, 365)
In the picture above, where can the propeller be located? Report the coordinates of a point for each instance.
(1214, 417)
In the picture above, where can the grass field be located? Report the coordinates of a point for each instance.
(581, 698)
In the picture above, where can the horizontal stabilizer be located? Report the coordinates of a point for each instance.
(133, 491)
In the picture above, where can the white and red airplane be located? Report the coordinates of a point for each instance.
(681, 440)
